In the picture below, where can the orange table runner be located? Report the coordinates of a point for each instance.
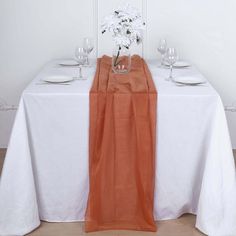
(122, 148)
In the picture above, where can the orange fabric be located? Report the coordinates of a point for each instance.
(122, 148)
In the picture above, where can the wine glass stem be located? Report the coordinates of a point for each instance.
(87, 60)
(80, 72)
(162, 59)
(171, 72)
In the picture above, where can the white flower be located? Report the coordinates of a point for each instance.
(122, 41)
(126, 26)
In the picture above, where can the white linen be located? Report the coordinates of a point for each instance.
(45, 175)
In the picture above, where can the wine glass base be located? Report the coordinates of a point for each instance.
(87, 65)
(163, 65)
(80, 78)
(160, 64)
(171, 79)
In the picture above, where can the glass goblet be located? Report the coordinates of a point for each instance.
(171, 58)
(88, 45)
(162, 47)
(80, 57)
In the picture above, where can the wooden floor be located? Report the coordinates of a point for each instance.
(184, 226)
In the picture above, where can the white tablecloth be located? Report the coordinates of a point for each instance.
(45, 175)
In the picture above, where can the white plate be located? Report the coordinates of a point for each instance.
(189, 80)
(68, 63)
(180, 64)
(57, 79)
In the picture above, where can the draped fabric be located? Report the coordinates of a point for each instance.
(122, 148)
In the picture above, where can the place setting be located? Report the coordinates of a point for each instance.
(81, 55)
(170, 61)
(163, 50)
(80, 62)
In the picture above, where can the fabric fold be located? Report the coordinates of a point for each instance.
(122, 148)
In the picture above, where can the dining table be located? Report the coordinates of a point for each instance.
(45, 175)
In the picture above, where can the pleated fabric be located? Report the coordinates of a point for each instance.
(122, 148)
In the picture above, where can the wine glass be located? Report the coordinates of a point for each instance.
(162, 49)
(80, 56)
(171, 57)
(88, 47)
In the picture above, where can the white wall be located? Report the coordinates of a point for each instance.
(34, 32)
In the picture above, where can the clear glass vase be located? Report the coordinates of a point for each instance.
(121, 60)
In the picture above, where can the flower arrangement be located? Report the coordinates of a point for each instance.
(126, 25)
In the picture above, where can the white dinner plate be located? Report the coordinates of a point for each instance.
(57, 79)
(70, 62)
(189, 80)
(180, 64)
